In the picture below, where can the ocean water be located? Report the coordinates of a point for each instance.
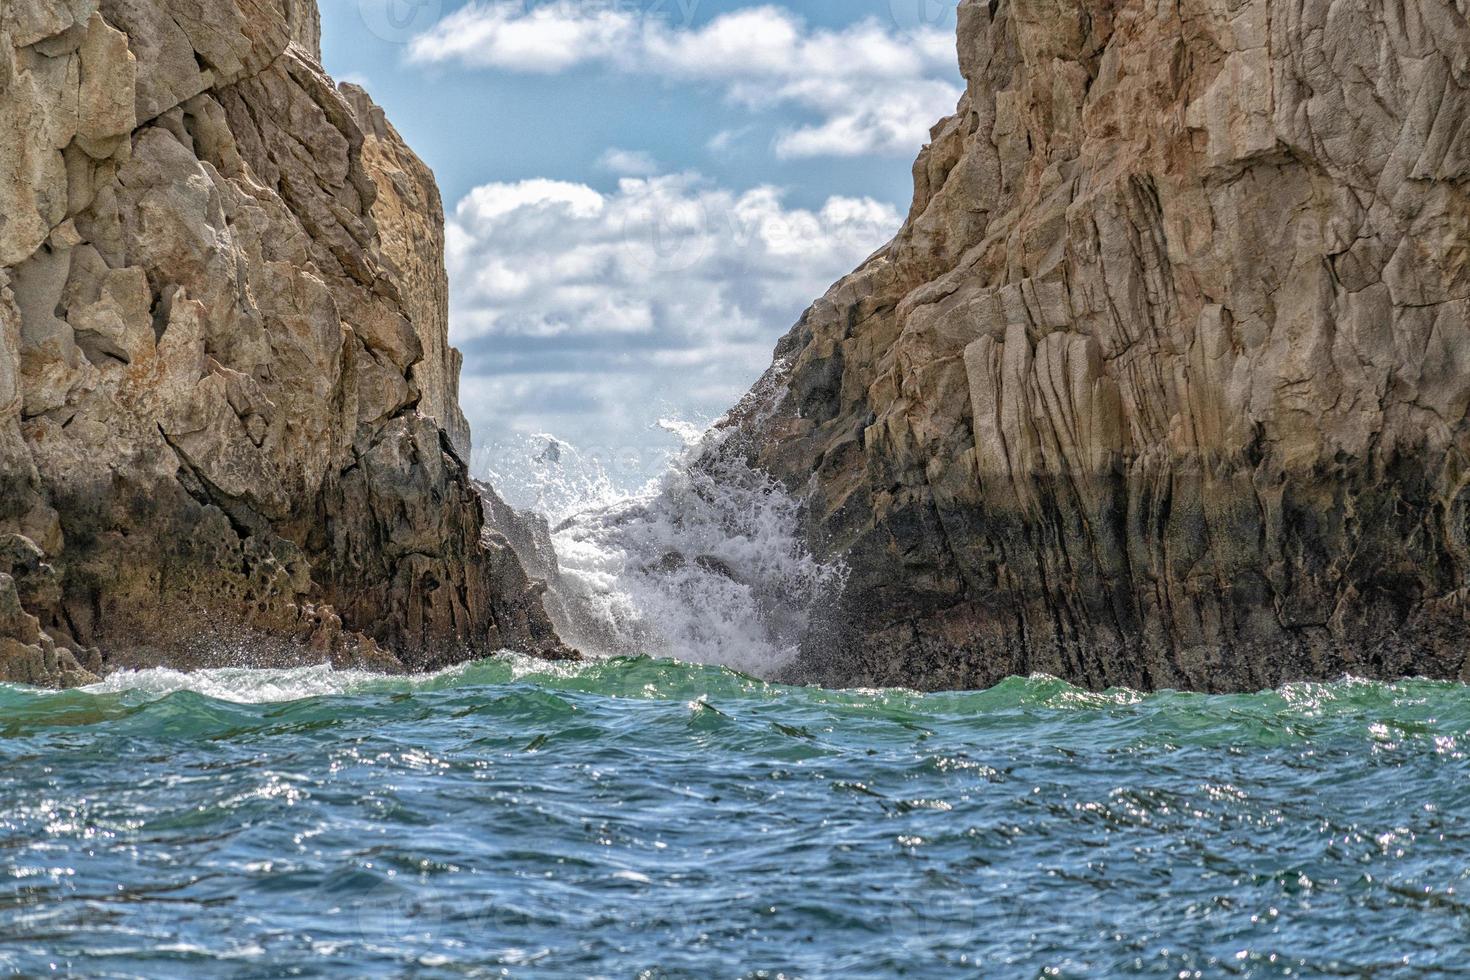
(647, 818)
(667, 810)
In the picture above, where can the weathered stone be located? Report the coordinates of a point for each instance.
(223, 364)
(105, 109)
(14, 620)
(1164, 381)
(410, 219)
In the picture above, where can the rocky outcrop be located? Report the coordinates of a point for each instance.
(223, 359)
(1164, 382)
(527, 535)
(410, 219)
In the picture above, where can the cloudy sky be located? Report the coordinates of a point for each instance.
(643, 195)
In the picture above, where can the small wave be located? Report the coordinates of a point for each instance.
(240, 685)
(251, 685)
(1406, 713)
(615, 677)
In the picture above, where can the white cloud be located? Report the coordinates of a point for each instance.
(871, 90)
(593, 313)
(489, 201)
(628, 163)
(517, 36)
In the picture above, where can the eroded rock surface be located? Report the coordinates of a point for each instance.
(1164, 382)
(410, 219)
(528, 535)
(224, 377)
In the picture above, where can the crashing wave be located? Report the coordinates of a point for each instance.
(705, 564)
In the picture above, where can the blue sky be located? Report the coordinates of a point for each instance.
(644, 194)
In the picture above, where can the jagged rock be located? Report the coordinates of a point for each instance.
(528, 535)
(36, 582)
(410, 220)
(1164, 381)
(222, 379)
(14, 620)
(27, 655)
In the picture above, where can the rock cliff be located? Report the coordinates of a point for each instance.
(228, 416)
(1164, 381)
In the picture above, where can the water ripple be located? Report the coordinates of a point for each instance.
(637, 817)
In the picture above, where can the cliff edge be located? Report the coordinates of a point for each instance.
(229, 428)
(1164, 381)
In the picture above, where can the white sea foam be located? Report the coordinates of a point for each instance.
(272, 685)
(557, 480)
(705, 564)
(245, 685)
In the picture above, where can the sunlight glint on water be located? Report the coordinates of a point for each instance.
(630, 815)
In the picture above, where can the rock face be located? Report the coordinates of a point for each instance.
(1164, 382)
(223, 358)
(410, 220)
(528, 536)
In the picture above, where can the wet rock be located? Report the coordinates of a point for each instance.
(1164, 381)
(29, 656)
(536, 574)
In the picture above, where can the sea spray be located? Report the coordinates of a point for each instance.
(705, 564)
(549, 476)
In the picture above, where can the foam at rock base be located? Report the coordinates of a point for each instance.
(703, 565)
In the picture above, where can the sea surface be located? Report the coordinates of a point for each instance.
(647, 818)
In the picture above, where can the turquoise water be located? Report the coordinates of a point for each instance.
(644, 818)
